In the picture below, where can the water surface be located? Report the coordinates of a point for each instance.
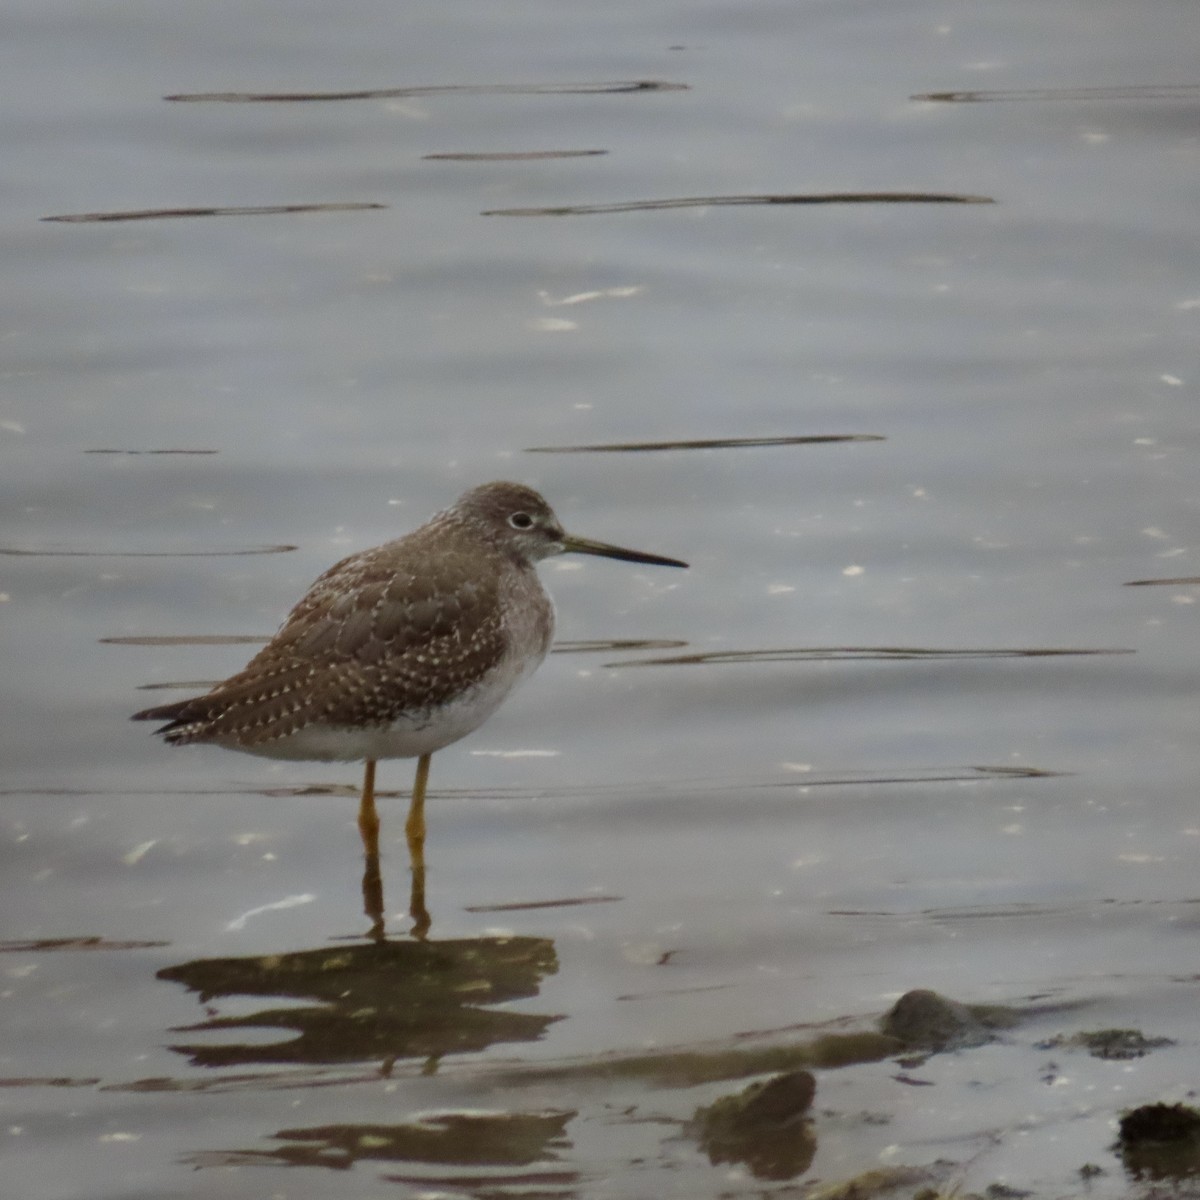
(845, 775)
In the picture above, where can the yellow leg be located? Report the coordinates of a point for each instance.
(368, 818)
(368, 826)
(414, 829)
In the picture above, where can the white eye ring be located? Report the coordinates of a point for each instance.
(521, 520)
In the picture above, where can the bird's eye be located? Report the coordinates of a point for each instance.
(521, 520)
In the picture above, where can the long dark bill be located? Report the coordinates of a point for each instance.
(578, 545)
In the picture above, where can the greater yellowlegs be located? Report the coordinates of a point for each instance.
(399, 650)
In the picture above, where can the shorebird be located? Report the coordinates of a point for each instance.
(399, 650)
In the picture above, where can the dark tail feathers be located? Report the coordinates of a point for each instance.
(164, 712)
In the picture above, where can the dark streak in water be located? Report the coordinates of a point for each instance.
(532, 1183)
(1019, 909)
(180, 685)
(952, 775)
(708, 444)
(251, 210)
(1020, 772)
(1182, 581)
(668, 993)
(623, 87)
(858, 654)
(568, 902)
(689, 787)
(1167, 91)
(280, 549)
(570, 210)
(511, 155)
(804, 780)
(987, 912)
(50, 1081)
(233, 1082)
(678, 787)
(152, 452)
(90, 942)
(187, 639)
(606, 644)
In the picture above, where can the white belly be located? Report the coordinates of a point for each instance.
(407, 737)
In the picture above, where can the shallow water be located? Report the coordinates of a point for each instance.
(778, 825)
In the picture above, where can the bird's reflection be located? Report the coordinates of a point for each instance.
(511, 1148)
(383, 1001)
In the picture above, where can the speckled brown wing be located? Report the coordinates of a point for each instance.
(392, 630)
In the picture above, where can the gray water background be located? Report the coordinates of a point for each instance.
(1031, 365)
